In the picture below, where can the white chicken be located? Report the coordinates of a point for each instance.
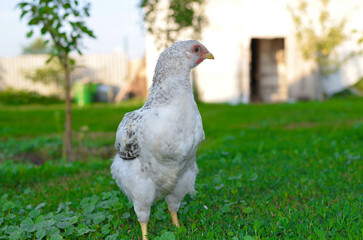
(157, 143)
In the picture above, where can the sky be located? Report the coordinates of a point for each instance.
(117, 24)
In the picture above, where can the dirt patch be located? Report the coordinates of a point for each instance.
(301, 125)
(313, 124)
(32, 157)
(104, 152)
(81, 153)
(97, 135)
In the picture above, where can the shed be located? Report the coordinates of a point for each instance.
(256, 54)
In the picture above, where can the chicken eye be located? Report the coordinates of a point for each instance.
(196, 49)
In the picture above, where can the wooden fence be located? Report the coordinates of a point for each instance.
(108, 69)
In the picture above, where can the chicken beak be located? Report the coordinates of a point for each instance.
(205, 55)
(208, 55)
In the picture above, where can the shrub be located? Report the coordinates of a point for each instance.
(14, 97)
(359, 85)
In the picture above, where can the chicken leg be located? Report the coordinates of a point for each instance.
(144, 230)
(174, 218)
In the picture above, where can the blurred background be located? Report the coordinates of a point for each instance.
(108, 63)
(266, 50)
(281, 106)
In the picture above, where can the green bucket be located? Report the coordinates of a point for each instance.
(84, 93)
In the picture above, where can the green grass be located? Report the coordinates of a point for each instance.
(283, 171)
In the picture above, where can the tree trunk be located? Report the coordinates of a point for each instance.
(319, 84)
(68, 136)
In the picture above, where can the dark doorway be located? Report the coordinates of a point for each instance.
(266, 55)
(254, 78)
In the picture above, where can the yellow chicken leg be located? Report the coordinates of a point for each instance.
(174, 218)
(144, 230)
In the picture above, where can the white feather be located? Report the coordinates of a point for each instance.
(162, 137)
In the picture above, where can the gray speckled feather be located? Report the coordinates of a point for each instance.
(169, 64)
(126, 136)
(161, 138)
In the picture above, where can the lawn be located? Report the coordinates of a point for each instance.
(281, 171)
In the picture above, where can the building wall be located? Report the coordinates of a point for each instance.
(232, 25)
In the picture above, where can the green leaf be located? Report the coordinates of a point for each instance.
(256, 225)
(89, 33)
(112, 237)
(15, 235)
(7, 206)
(40, 234)
(85, 202)
(226, 209)
(22, 4)
(35, 213)
(247, 210)
(73, 219)
(23, 14)
(60, 217)
(39, 225)
(56, 237)
(283, 221)
(40, 205)
(248, 238)
(89, 209)
(105, 229)
(72, 61)
(39, 219)
(106, 195)
(86, 11)
(82, 229)
(27, 225)
(167, 236)
(67, 6)
(69, 230)
(10, 216)
(63, 224)
(43, 30)
(50, 59)
(11, 229)
(49, 223)
(98, 217)
(182, 230)
(117, 206)
(52, 231)
(320, 233)
(33, 21)
(253, 176)
(65, 16)
(79, 51)
(125, 215)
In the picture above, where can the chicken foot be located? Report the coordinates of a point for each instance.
(144, 230)
(174, 218)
